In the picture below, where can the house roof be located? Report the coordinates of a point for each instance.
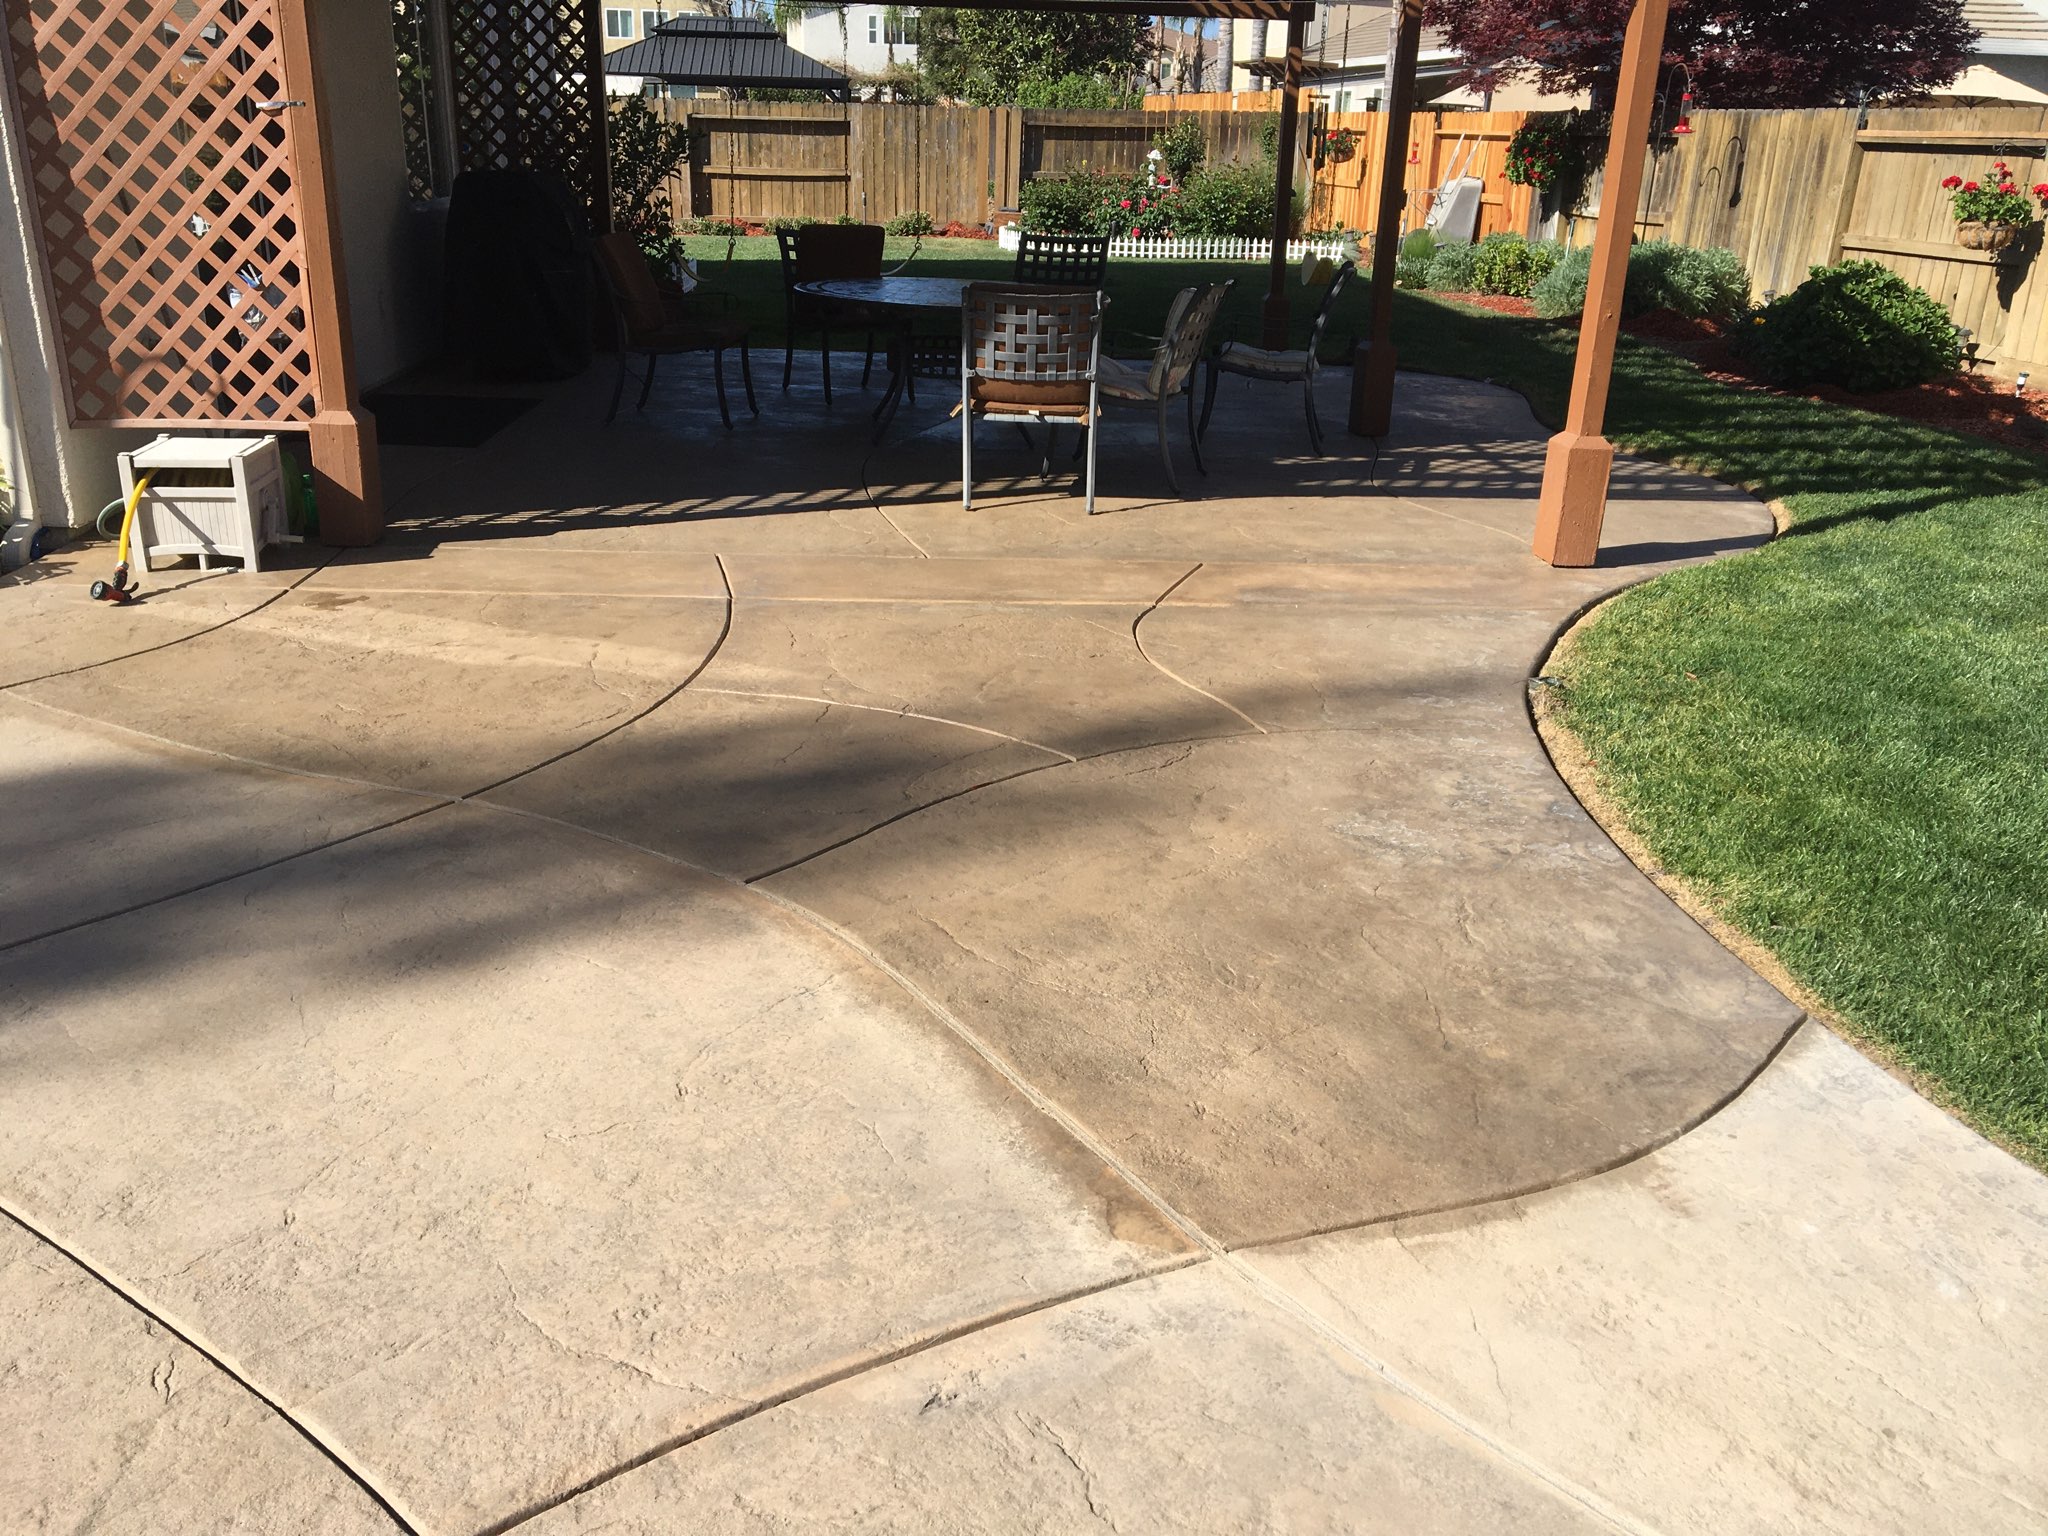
(723, 50)
(2000, 20)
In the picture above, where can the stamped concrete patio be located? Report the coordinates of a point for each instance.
(701, 988)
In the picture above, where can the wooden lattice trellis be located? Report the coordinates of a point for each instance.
(409, 28)
(528, 84)
(168, 218)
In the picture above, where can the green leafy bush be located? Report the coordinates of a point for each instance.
(719, 227)
(1418, 245)
(912, 223)
(1699, 284)
(1450, 269)
(645, 151)
(1085, 202)
(1411, 272)
(1227, 200)
(1183, 147)
(1511, 265)
(1857, 324)
(789, 225)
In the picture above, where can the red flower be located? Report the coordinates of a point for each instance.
(1999, 165)
(1127, 202)
(2041, 189)
(1948, 182)
(2006, 186)
(1134, 232)
(1969, 186)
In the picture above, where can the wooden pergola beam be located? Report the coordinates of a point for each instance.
(1372, 381)
(1576, 466)
(1273, 317)
(347, 482)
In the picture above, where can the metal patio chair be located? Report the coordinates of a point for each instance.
(819, 253)
(655, 324)
(1286, 367)
(1063, 261)
(1028, 356)
(1189, 319)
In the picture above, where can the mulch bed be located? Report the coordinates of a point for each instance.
(1966, 402)
(1499, 303)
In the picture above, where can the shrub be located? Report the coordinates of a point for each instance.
(718, 227)
(789, 225)
(1067, 203)
(1183, 147)
(1511, 265)
(1227, 200)
(912, 223)
(1699, 284)
(1418, 245)
(645, 151)
(1411, 272)
(1450, 268)
(1859, 325)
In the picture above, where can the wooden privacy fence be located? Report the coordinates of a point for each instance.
(1440, 145)
(1786, 191)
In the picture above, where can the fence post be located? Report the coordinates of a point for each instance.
(1845, 201)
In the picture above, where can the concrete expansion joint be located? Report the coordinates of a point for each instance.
(1165, 671)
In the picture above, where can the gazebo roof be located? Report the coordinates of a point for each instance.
(739, 52)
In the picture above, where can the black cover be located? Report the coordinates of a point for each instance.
(516, 276)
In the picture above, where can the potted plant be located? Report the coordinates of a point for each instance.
(1990, 214)
(1339, 145)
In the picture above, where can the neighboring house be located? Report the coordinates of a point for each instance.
(1345, 62)
(861, 40)
(1184, 54)
(626, 24)
(2010, 59)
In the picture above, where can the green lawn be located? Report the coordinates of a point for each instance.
(1840, 741)
(1139, 291)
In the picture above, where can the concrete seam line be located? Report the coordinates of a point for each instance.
(239, 874)
(1139, 642)
(1549, 1186)
(816, 1384)
(900, 714)
(283, 770)
(867, 489)
(191, 1340)
(197, 634)
(1285, 1300)
(638, 715)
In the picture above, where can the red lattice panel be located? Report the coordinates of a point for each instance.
(522, 91)
(169, 223)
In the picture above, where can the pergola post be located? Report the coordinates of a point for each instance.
(1274, 315)
(1576, 465)
(1372, 379)
(346, 481)
(599, 170)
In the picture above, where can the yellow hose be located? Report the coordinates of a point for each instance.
(128, 517)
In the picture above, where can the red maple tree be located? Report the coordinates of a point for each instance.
(1740, 53)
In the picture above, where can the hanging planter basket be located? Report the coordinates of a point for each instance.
(1337, 154)
(1974, 236)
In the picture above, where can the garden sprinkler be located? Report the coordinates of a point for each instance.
(118, 591)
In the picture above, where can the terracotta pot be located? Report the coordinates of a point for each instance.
(1973, 236)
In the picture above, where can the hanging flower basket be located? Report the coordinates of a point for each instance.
(1990, 214)
(1973, 236)
(1339, 145)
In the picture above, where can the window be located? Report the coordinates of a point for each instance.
(897, 31)
(618, 23)
(649, 20)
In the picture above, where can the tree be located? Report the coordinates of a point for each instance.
(991, 58)
(1740, 53)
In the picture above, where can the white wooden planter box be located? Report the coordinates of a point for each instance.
(208, 496)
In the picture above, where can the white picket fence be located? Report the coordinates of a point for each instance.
(1192, 247)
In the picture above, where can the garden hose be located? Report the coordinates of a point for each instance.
(117, 591)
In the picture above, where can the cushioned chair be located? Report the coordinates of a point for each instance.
(656, 322)
(1063, 261)
(820, 253)
(1028, 356)
(1189, 319)
(1282, 367)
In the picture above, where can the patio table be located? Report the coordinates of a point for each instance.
(908, 297)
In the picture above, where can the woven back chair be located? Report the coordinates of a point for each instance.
(1189, 320)
(1028, 355)
(1283, 367)
(1063, 261)
(821, 253)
